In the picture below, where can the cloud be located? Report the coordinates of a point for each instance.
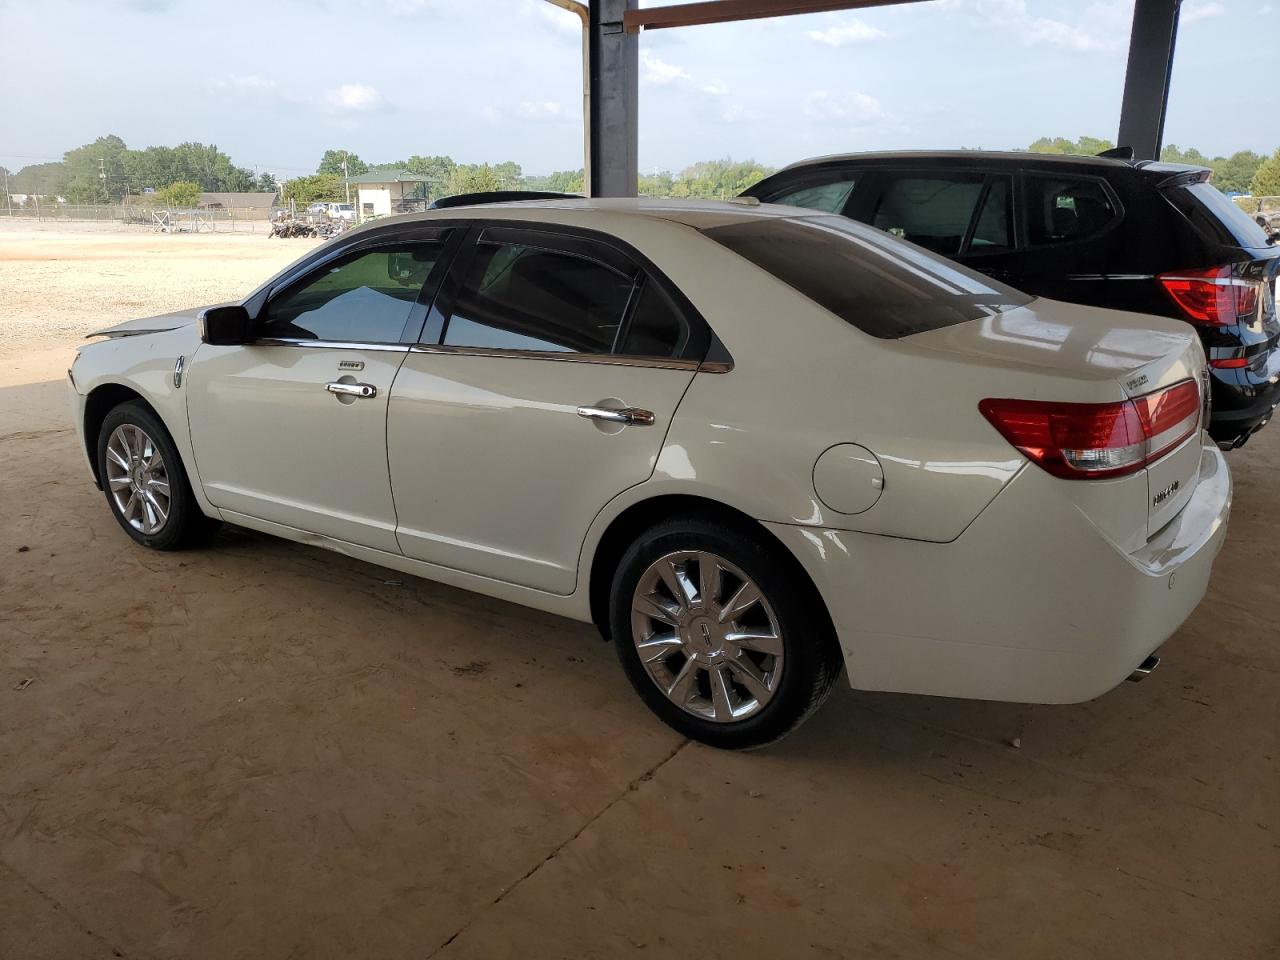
(544, 110)
(533, 111)
(841, 34)
(353, 98)
(1266, 9)
(847, 109)
(558, 19)
(1101, 26)
(1191, 12)
(248, 83)
(717, 88)
(659, 72)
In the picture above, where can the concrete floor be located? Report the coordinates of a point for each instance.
(266, 751)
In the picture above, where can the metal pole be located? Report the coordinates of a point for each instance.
(1146, 81)
(8, 200)
(613, 120)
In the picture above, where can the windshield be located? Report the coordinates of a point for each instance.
(1215, 215)
(883, 286)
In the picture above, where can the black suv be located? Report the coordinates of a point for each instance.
(1131, 235)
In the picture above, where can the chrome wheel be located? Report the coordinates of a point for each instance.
(707, 636)
(137, 479)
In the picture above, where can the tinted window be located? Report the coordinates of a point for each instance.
(521, 297)
(656, 329)
(933, 212)
(1061, 209)
(994, 228)
(827, 197)
(1215, 216)
(364, 298)
(881, 286)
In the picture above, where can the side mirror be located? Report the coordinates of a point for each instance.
(409, 268)
(224, 326)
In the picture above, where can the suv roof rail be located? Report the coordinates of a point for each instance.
(500, 196)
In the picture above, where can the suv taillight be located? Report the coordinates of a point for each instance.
(1092, 441)
(1212, 296)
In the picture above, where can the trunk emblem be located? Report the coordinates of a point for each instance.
(1166, 493)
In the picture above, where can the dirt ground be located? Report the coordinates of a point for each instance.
(261, 750)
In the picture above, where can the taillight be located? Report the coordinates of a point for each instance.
(1092, 441)
(1212, 296)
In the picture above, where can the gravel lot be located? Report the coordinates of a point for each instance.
(62, 281)
(264, 750)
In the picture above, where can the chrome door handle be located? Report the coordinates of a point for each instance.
(364, 390)
(630, 415)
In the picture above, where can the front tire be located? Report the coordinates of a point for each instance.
(721, 638)
(145, 483)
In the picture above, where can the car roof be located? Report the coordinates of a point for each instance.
(1020, 157)
(584, 211)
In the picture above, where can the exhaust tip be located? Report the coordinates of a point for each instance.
(1144, 669)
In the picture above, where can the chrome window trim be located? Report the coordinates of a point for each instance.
(328, 344)
(607, 359)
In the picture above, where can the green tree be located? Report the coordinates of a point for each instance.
(266, 183)
(317, 188)
(438, 170)
(331, 162)
(562, 181)
(40, 179)
(718, 179)
(472, 178)
(658, 184)
(1235, 173)
(184, 194)
(1266, 181)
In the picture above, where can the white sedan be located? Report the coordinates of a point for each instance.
(753, 444)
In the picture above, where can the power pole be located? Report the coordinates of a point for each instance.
(7, 199)
(346, 182)
(102, 175)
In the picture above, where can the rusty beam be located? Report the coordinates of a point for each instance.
(725, 11)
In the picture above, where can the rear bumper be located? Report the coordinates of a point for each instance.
(1243, 400)
(1032, 603)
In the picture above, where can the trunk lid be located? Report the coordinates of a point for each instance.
(1052, 351)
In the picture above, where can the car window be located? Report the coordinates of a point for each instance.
(933, 212)
(994, 230)
(523, 297)
(656, 327)
(827, 197)
(365, 298)
(880, 285)
(1215, 216)
(1062, 209)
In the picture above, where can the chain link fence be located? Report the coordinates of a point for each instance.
(161, 219)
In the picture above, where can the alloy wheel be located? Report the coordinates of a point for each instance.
(707, 636)
(137, 479)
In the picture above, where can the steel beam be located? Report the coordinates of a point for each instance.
(613, 123)
(725, 11)
(1146, 81)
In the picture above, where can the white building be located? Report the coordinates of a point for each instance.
(381, 193)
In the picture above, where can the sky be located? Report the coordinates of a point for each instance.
(274, 83)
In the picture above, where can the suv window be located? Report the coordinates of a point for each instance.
(827, 197)
(1215, 216)
(523, 297)
(884, 288)
(365, 297)
(1061, 209)
(931, 211)
(994, 230)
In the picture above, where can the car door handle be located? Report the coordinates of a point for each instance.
(629, 415)
(364, 390)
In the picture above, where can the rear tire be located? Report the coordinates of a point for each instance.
(145, 483)
(722, 639)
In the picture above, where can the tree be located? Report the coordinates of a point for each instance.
(184, 194)
(267, 183)
(1266, 181)
(331, 162)
(1234, 173)
(473, 178)
(317, 188)
(718, 179)
(438, 170)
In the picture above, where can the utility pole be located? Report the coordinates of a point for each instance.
(102, 175)
(346, 182)
(8, 201)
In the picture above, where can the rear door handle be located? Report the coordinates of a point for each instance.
(363, 390)
(628, 415)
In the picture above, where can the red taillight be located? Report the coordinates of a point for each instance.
(1212, 296)
(1091, 441)
(1231, 363)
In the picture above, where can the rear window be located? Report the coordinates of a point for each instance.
(1215, 216)
(882, 286)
